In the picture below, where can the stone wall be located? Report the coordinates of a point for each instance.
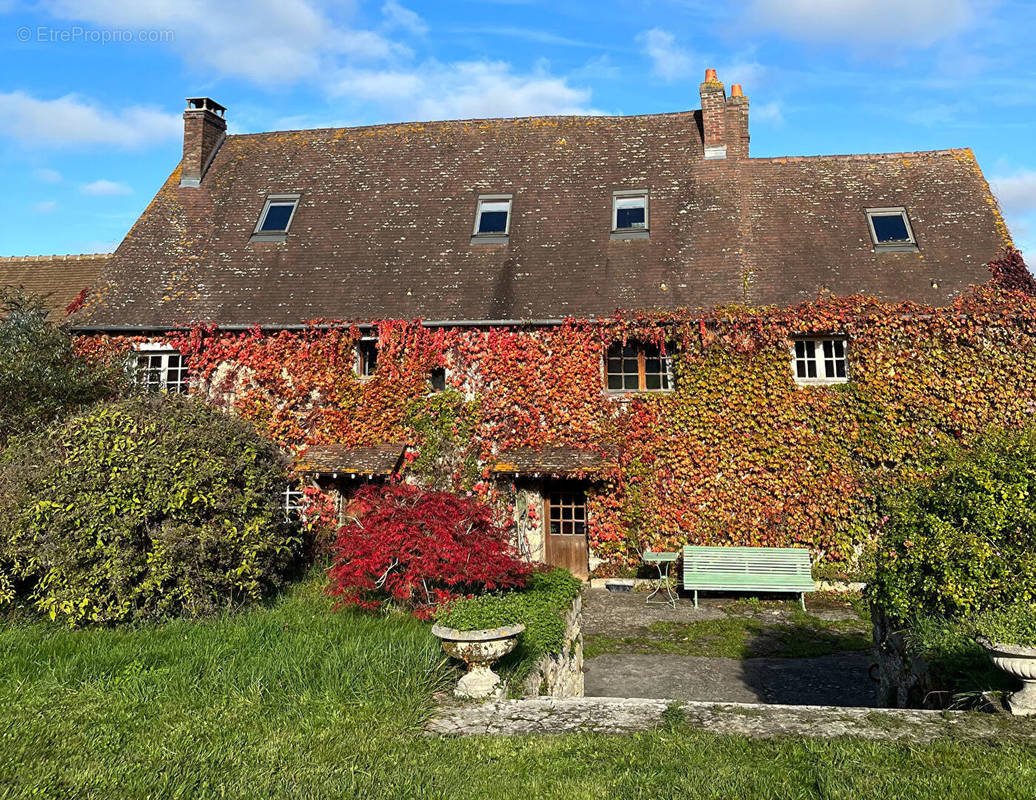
(560, 675)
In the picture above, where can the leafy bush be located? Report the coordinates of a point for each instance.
(958, 667)
(140, 508)
(541, 606)
(1014, 624)
(41, 376)
(418, 549)
(963, 540)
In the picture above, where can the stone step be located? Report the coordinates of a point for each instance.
(547, 715)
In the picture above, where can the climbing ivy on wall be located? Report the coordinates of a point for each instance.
(736, 454)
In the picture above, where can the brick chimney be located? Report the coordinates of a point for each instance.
(714, 116)
(737, 121)
(204, 129)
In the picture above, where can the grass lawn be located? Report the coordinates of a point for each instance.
(298, 701)
(747, 632)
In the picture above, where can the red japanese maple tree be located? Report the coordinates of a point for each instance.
(419, 549)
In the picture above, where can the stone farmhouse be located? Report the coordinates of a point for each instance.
(515, 228)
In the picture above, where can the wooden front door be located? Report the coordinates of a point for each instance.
(564, 516)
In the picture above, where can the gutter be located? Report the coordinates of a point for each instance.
(442, 323)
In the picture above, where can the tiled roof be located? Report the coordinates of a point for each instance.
(383, 229)
(382, 459)
(59, 279)
(550, 461)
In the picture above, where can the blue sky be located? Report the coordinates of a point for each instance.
(92, 90)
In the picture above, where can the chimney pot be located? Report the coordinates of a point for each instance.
(204, 129)
(735, 90)
(710, 76)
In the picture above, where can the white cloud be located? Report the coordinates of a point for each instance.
(45, 207)
(865, 22)
(668, 60)
(768, 112)
(105, 188)
(465, 90)
(267, 41)
(1017, 195)
(1017, 192)
(72, 120)
(46, 175)
(399, 17)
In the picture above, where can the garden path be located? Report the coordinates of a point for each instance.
(729, 650)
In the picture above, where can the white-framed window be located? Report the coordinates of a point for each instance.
(366, 357)
(293, 503)
(277, 214)
(890, 228)
(821, 361)
(637, 367)
(630, 211)
(492, 216)
(159, 368)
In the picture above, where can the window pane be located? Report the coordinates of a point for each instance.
(626, 218)
(631, 381)
(492, 222)
(277, 216)
(652, 381)
(890, 228)
(437, 379)
(614, 381)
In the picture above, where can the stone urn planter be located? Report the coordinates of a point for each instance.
(1021, 662)
(479, 649)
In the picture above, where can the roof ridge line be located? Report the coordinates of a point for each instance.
(55, 257)
(863, 156)
(445, 122)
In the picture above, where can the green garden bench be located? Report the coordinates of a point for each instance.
(757, 569)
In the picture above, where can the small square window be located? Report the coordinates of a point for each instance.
(821, 361)
(890, 229)
(634, 367)
(159, 370)
(366, 357)
(277, 215)
(493, 218)
(437, 379)
(629, 211)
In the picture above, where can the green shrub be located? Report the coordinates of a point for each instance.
(41, 376)
(541, 606)
(140, 508)
(957, 664)
(964, 539)
(1014, 624)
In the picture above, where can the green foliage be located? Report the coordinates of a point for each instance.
(41, 376)
(295, 700)
(964, 539)
(444, 425)
(1014, 624)
(141, 508)
(541, 606)
(957, 664)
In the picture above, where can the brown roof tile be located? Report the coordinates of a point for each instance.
(550, 461)
(384, 225)
(382, 459)
(59, 279)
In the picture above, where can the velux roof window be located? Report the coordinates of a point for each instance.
(890, 229)
(630, 213)
(277, 215)
(492, 218)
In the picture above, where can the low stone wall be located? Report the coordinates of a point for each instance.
(560, 675)
(626, 715)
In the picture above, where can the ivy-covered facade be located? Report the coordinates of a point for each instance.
(624, 331)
